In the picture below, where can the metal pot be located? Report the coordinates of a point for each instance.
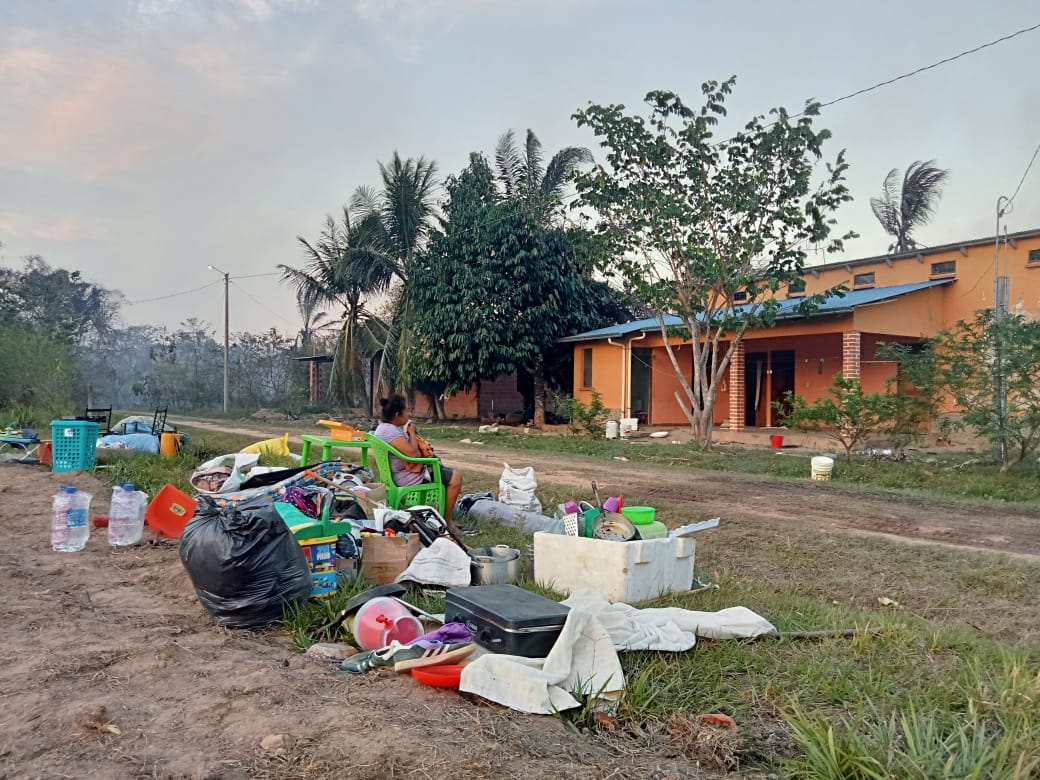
(498, 565)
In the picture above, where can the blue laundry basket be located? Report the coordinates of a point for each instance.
(74, 444)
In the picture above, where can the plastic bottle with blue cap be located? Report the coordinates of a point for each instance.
(69, 527)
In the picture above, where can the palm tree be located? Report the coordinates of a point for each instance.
(904, 207)
(334, 276)
(313, 321)
(523, 178)
(395, 220)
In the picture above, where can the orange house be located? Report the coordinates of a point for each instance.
(904, 298)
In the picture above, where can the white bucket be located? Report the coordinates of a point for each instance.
(821, 468)
(612, 429)
(627, 426)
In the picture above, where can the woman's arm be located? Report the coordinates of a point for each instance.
(407, 447)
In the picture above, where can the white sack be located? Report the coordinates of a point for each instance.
(516, 487)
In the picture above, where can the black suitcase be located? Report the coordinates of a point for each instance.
(507, 619)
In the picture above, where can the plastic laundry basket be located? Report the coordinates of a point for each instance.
(73, 445)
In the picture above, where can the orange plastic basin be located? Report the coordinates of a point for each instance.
(170, 511)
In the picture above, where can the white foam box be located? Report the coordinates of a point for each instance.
(621, 571)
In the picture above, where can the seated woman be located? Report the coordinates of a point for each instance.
(396, 429)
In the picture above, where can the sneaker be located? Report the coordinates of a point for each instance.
(405, 657)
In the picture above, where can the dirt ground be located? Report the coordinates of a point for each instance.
(111, 668)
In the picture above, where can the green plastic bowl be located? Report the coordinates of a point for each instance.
(639, 515)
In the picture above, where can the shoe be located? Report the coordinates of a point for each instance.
(405, 657)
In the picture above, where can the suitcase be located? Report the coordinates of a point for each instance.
(507, 619)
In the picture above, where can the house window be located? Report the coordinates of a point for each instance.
(586, 367)
(863, 280)
(796, 287)
(1034, 257)
(740, 296)
(944, 268)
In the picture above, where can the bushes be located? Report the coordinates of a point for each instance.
(585, 419)
(37, 375)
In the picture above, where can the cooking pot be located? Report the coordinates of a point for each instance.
(497, 565)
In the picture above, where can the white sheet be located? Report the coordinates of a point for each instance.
(583, 659)
(443, 563)
(669, 628)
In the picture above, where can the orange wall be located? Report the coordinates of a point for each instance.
(973, 288)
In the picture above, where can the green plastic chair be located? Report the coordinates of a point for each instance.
(432, 493)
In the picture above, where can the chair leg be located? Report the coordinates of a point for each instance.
(305, 453)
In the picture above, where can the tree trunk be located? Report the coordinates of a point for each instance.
(538, 375)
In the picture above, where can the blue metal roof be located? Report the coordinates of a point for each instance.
(786, 310)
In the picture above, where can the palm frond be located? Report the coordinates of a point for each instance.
(532, 163)
(922, 189)
(561, 168)
(509, 163)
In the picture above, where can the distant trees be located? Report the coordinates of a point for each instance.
(907, 204)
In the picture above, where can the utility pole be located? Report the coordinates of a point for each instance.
(227, 332)
(1001, 299)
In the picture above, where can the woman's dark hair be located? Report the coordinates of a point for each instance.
(392, 406)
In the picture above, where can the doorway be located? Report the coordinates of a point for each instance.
(769, 376)
(640, 384)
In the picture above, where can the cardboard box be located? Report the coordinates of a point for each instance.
(384, 557)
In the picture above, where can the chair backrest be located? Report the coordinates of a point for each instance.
(159, 420)
(381, 450)
(100, 415)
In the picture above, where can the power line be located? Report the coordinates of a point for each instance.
(246, 293)
(254, 276)
(1024, 174)
(172, 295)
(922, 69)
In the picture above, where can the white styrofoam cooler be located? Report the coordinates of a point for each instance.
(621, 571)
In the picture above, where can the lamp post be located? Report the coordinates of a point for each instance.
(227, 277)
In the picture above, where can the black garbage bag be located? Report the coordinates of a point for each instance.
(244, 562)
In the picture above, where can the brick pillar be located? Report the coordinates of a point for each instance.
(850, 354)
(736, 388)
(315, 383)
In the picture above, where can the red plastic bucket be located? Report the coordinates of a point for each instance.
(776, 442)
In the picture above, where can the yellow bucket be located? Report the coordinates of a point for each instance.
(169, 443)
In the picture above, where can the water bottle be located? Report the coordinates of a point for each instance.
(126, 515)
(69, 527)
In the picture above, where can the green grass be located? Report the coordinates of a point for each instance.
(947, 688)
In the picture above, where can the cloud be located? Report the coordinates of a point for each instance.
(64, 228)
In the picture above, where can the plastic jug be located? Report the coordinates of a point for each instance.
(69, 527)
(382, 620)
(126, 515)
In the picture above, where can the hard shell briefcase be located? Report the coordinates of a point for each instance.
(507, 619)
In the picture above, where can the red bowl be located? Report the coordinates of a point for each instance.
(443, 676)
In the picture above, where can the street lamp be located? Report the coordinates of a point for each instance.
(226, 276)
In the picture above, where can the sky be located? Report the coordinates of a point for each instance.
(142, 141)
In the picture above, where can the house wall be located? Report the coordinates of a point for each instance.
(916, 315)
(973, 288)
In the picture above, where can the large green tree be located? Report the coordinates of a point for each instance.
(694, 219)
(495, 289)
(907, 204)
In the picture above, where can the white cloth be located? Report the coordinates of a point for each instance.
(670, 628)
(583, 659)
(443, 563)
